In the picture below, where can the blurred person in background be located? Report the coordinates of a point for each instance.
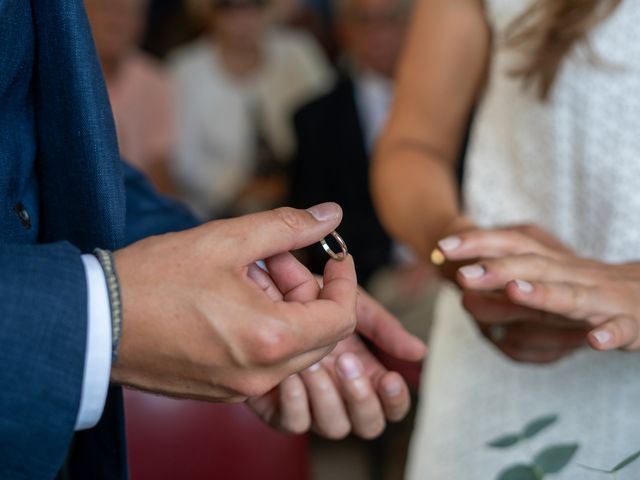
(139, 90)
(237, 87)
(554, 147)
(336, 132)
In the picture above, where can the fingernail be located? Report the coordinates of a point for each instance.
(325, 211)
(393, 388)
(472, 271)
(602, 336)
(314, 368)
(349, 367)
(450, 243)
(524, 286)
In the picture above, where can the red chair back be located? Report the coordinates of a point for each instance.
(182, 439)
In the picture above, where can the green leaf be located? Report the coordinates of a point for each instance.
(505, 441)
(518, 472)
(538, 425)
(627, 461)
(555, 458)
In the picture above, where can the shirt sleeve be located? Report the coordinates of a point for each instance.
(97, 365)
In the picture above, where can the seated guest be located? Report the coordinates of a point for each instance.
(237, 87)
(139, 91)
(336, 133)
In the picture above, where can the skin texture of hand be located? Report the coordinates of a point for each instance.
(349, 390)
(604, 296)
(522, 333)
(196, 325)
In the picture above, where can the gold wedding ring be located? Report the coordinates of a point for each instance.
(437, 257)
(336, 256)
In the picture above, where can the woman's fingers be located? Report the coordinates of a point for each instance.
(494, 274)
(571, 300)
(533, 342)
(492, 244)
(498, 308)
(621, 332)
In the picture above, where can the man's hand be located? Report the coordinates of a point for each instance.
(196, 326)
(523, 334)
(349, 390)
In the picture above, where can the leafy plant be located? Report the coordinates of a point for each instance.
(550, 460)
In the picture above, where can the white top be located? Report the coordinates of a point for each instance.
(373, 93)
(571, 165)
(216, 138)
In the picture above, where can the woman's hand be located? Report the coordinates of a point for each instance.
(523, 334)
(349, 390)
(604, 296)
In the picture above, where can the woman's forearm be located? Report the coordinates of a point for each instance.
(440, 75)
(416, 196)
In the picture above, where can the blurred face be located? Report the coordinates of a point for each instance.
(372, 32)
(239, 22)
(116, 25)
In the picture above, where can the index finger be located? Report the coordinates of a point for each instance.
(490, 244)
(330, 317)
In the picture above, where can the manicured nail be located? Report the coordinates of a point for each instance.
(314, 368)
(325, 211)
(524, 286)
(349, 367)
(393, 388)
(472, 271)
(602, 336)
(449, 243)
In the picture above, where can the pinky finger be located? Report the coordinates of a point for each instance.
(621, 332)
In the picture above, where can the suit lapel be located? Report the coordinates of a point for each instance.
(82, 193)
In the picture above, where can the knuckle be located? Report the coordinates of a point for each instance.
(269, 346)
(290, 217)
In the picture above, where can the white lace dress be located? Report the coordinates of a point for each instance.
(571, 165)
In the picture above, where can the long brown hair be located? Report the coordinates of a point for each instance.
(547, 32)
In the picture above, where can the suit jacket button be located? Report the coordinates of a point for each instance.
(23, 215)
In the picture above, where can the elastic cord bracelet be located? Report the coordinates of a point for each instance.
(105, 257)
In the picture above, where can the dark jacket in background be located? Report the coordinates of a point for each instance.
(332, 164)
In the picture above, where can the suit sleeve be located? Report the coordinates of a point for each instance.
(148, 212)
(43, 328)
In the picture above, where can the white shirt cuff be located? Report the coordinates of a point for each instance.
(97, 360)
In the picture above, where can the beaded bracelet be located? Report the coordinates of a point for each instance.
(105, 257)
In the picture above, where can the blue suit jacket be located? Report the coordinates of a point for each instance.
(62, 193)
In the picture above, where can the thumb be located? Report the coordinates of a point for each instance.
(262, 235)
(385, 331)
